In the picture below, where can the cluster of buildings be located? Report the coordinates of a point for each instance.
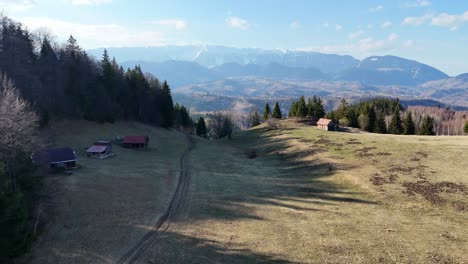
(65, 158)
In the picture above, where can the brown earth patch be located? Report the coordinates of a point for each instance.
(431, 191)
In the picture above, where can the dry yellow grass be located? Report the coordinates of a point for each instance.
(309, 196)
(313, 196)
(106, 206)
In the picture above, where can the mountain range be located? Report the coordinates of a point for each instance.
(258, 73)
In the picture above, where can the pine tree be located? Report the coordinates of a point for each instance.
(254, 119)
(380, 126)
(301, 107)
(266, 112)
(319, 109)
(167, 106)
(311, 106)
(372, 119)
(293, 110)
(427, 127)
(277, 111)
(409, 127)
(465, 129)
(395, 126)
(201, 127)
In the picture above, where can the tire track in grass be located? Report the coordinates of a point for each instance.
(162, 224)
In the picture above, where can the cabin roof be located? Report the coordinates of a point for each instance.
(135, 140)
(96, 149)
(324, 122)
(57, 155)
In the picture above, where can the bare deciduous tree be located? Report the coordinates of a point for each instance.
(18, 123)
(18, 126)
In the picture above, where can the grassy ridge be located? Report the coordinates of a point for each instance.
(312, 196)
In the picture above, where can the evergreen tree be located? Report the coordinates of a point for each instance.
(301, 110)
(465, 128)
(266, 112)
(427, 127)
(254, 119)
(380, 126)
(409, 127)
(372, 119)
(311, 106)
(293, 110)
(167, 106)
(201, 127)
(319, 109)
(395, 126)
(277, 111)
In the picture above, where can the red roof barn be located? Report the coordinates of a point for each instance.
(135, 141)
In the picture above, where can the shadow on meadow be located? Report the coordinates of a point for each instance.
(229, 185)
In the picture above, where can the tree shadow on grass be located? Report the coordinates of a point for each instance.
(178, 248)
(230, 185)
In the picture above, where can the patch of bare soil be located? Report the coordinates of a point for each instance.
(378, 179)
(440, 258)
(431, 191)
(323, 141)
(383, 154)
(460, 206)
(422, 154)
(364, 152)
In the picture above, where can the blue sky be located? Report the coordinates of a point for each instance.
(432, 32)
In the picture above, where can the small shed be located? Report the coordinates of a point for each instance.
(326, 124)
(56, 158)
(100, 150)
(135, 141)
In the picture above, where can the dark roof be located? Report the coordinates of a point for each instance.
(60, 155)
(102, 143)
(324, 122)
(97, 149)
(135, 140)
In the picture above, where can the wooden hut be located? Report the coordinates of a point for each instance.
(58, 158)
(100, 150)
(135, 141)
(326, 124)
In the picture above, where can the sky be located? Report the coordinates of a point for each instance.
(432, 32)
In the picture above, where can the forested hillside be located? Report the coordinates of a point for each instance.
(62, 81)
(41, 80)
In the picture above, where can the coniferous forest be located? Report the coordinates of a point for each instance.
(41, 80)
(62, 81)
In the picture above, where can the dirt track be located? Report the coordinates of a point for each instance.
(163, 223)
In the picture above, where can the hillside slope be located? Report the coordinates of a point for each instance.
(105, 207)
(323, 197)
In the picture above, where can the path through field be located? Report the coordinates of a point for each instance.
(152, 237)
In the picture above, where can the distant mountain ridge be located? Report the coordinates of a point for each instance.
(182, 65)
(210, 56)
(215, 71)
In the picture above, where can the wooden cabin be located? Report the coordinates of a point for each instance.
(58, 158)
(326, 124)
(100, 150)
(135, 141)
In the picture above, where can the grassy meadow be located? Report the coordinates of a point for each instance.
(312, 196)
(101, 210)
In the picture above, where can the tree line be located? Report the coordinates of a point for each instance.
(62, 81)
(381, 115)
